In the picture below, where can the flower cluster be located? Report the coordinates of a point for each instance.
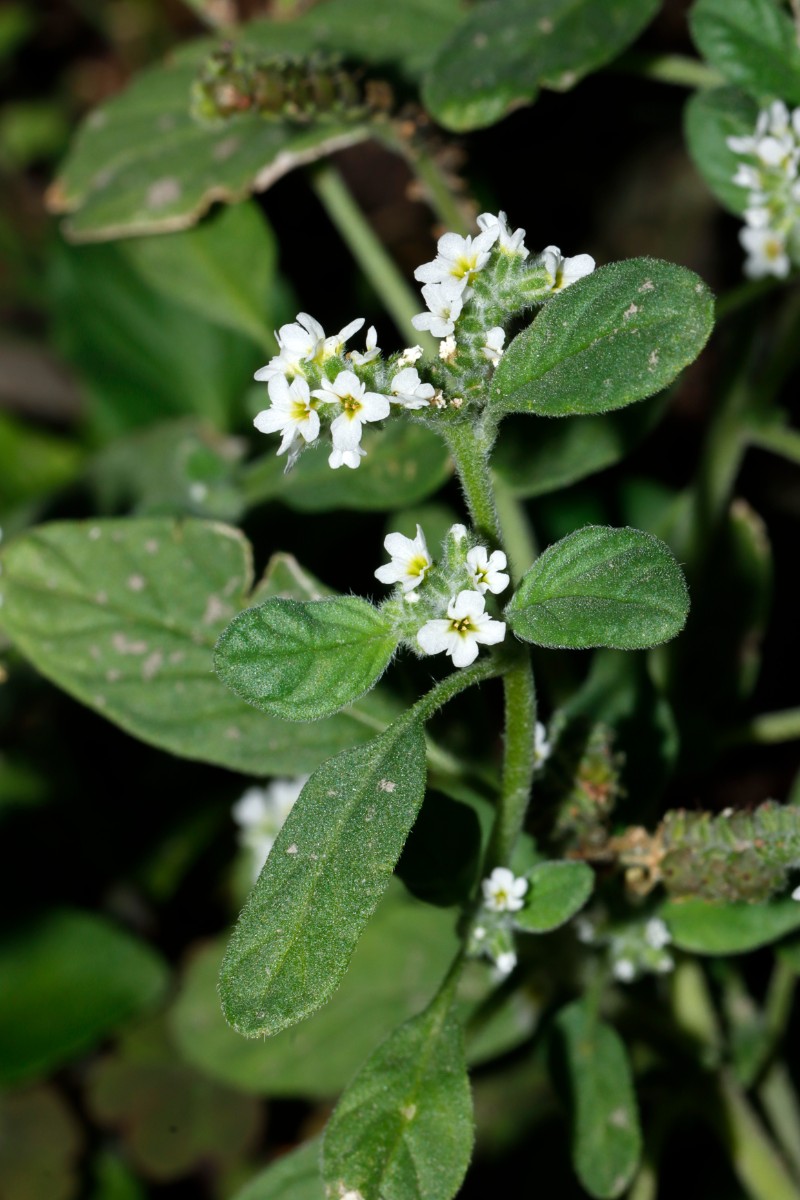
(453, 600)
(492, 933)
(635, 948)
(769, 172)
(260, 814)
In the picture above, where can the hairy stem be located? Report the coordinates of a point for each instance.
(470, 443)
(779, 1101)
(671, 68)
(451, 685)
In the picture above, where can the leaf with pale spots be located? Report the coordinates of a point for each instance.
(617, 335)
(325, 874)
(619, 588)
(403, 1130)
(124, 615)
(556, 892)
(303, 661)
(606, 1139)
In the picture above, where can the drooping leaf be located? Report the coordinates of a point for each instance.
(505, 50)
(703, 927)
(617, 335)
(295, 1176)
(403, 1129)
(322, 881)
(556, 891)
(69, 979)
(620, 588)
(606, 1140)
(753, 43)
(302, 661)
(40, 1142)
(124, 615)
(710, 118)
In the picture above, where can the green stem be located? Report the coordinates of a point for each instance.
(451, 685)
(779, 439)
(380, 269)
(470, 443)
(779, 1101)
(768, 729)
(754, 1157)
(670, 68)
(438, 192)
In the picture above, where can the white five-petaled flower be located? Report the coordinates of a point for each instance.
(542, 749)
(260, 814)
(357, 407)
(492, 347)
(486, 570)
(302, 341)
(291, 413)
(371, 351)
(503, 891)
(408, 389)
(508, 242)
(466, 626)
(410, 562)
(564, 271)
(444, 301)
(624, 970)
(766, 253)
(458, 258)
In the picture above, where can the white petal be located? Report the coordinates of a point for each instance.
(433, 637)
(465, 651)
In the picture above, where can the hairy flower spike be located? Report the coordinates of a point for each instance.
(771, 176)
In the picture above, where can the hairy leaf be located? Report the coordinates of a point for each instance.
(753, 43)
(620, 588)
(556, 891)
(710, 119)
(294, 1176)
(703, 927)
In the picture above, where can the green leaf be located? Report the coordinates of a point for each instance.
(400, 958)
(606, 1140)
(295, 1176)
(322, 881)
(504, 50)
(703, 927)
(124, 615)
(615, 336)
(403, 1129)
(302, 661)
(710, 118)
(404, 464)
(753, 43)
(69, 979)
(33, 463)
(556, 891)
(619, 588)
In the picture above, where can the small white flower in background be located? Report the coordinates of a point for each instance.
(459, 258)
(444, 301)
(505, 963)
(260, 814)
(772, 214)
(410, 562)
(766, 253)
(503, 891)
(796, 893)
(623, 970)
(292, 412)
(542, 748)
(486, 570)
(585, 931)
(371, 351)
(508, 242)
(492, 347)
(409, 356)
(408, 389)
(465, 627)
(565, 271)
(656, 933)
(358, 406)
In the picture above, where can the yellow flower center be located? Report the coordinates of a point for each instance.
(462, 625)
(418, 565)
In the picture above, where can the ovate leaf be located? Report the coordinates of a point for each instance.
(710, 119)
(617, 335)
(322, 881)
(703, 927)
(69, 979)
(556, 891)
(302, 661)
(619, 588)
(606, 1140)
(753, 43)
(403, 1129)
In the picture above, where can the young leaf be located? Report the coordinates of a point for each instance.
(403, 1129)
(702, 927)
(710, 118)
(322, 881)
(294, 1176)
(619, 588)
(303, 661)
(615, 336)
(606, 1140)
(556, 891)
(753, 43)
(69, 979)
(124, 615)
(502, 52)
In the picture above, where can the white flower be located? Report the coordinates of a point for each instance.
(585, 931)
(747, 176)
(796, 893)
(503, 891)
(260, 814)
(465, 627)
(410, 356)
(410, 562)
(334, 345)
(445, 302)
(345, 458)
(624, 970)
(766, 253)
(486, 570)
(358, 406)
(756, 218)
(564, 271)
(542, 749)
(408, 389)
(447, 349)
(458, 532)
(492, 347)
(656, 933)
(371, 351)
(292, 412)
(459, 258)
(508, 242)
(505, 963)
(303, 341)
